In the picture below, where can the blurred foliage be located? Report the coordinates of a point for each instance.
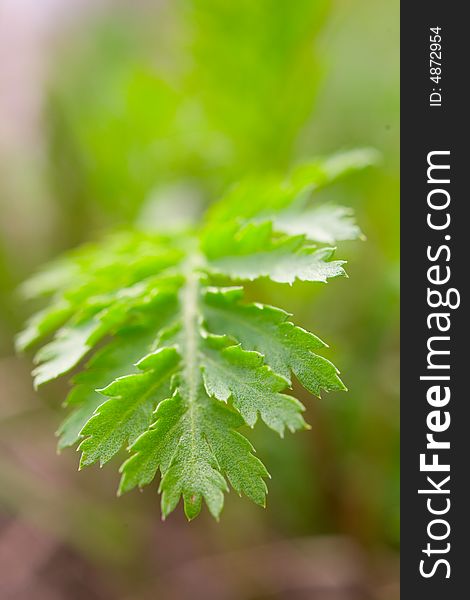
(151, 111)
(225, 95)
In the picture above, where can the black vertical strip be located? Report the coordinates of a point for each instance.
(429, 128)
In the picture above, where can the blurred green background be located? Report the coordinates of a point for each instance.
(119, 112)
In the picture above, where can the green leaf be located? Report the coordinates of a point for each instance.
(41, 324)
(254, 251)
(267, 330)
(76, 339)
(116, 359)
(326, 224)
(322, 172)
(109, 363)
(69, 431)
(57, 275)
(184, 444)
(263, 197)
(179, 365)
(64, 352)
(195, 444)
(231, 372)
(129, 412)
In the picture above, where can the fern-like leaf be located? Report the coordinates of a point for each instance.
(179, 361)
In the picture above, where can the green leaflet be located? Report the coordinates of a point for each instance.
(42, 323)
(266, 196)
(195, 446)
(116, 359)
(65, 351)
(129, 412)
(178, 364)
(72, 343)
(96, 269)
(321, 172)
(253, 251)
(283, 264)
(267, 330)
(111, 362)
(326, 224)
(231, 372)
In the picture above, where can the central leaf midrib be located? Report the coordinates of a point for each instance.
(191, 372)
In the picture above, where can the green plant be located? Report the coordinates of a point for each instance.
(181, 361)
